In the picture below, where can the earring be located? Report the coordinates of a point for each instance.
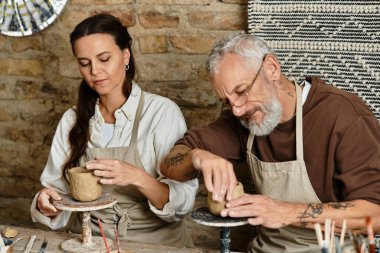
(127, 67)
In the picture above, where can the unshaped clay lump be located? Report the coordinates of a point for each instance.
(9, 232)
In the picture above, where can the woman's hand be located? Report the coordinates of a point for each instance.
(44, 205)
(115, 172)
(121, 173)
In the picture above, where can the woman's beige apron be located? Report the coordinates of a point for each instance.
(135, 220)
(287, 181)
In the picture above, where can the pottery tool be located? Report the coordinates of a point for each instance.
(332, 237)
(342, 233)
(371, 237)
(13, 245)
(30, 244)
(43, 246)
(326, 238)
(104, 237)
(327, 231)
(356, 241)
(318, 232)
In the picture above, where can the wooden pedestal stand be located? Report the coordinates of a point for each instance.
(87, 243)
(204, 217)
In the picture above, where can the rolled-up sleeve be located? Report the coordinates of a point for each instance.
(169, 127)
(51, 176)
(181, 200)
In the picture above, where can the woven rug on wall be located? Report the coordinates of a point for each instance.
(336, 40)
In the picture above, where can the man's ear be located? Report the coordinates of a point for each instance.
(272, 68)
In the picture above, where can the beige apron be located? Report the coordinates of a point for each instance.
(136, 221)
(287, 181)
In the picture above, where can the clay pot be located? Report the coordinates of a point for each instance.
(84, 185)
(216, 207)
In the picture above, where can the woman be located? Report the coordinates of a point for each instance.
(121, 133)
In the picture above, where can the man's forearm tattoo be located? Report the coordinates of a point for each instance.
(314, 210)
(175, 160)
(340, 205)
(311, 211)
(178, 159)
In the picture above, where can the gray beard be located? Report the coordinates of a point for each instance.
(273, 113)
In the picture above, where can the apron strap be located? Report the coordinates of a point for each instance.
(251, 137)
(136, 122)
(299, 130)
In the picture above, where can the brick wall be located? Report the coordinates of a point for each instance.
(39, 81)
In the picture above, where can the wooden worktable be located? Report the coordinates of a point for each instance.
(55, 239)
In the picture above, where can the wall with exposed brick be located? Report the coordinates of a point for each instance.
(39, 81)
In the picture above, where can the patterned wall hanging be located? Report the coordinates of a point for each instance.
(26, 17)
(334, 39)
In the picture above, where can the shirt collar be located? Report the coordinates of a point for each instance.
(128, 109)
(130, 106)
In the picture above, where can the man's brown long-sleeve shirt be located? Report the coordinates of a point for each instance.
(341, 138)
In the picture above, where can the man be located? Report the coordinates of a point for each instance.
(313, 150)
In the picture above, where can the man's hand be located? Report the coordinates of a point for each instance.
(218, 173)
(46, 196)
(272, 213)
(262, 210)
(183, 163)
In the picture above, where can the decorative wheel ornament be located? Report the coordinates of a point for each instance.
(26, 17)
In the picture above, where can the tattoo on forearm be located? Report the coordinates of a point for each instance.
(174, 160)
(311, 211)
(178, 159)
(314, 210)
(340, 205)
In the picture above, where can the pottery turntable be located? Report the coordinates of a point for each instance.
(87, 243)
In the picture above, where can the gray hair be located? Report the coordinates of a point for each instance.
(250, 47)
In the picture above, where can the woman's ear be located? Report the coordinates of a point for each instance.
(273, 67)
(127, 55)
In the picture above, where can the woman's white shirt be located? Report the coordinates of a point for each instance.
(161, 125)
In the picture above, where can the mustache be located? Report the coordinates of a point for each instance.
(249, 113)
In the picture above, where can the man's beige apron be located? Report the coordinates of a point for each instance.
(287, 181)
(136, 221)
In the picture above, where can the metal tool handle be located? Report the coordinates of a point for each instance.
(43, 246)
